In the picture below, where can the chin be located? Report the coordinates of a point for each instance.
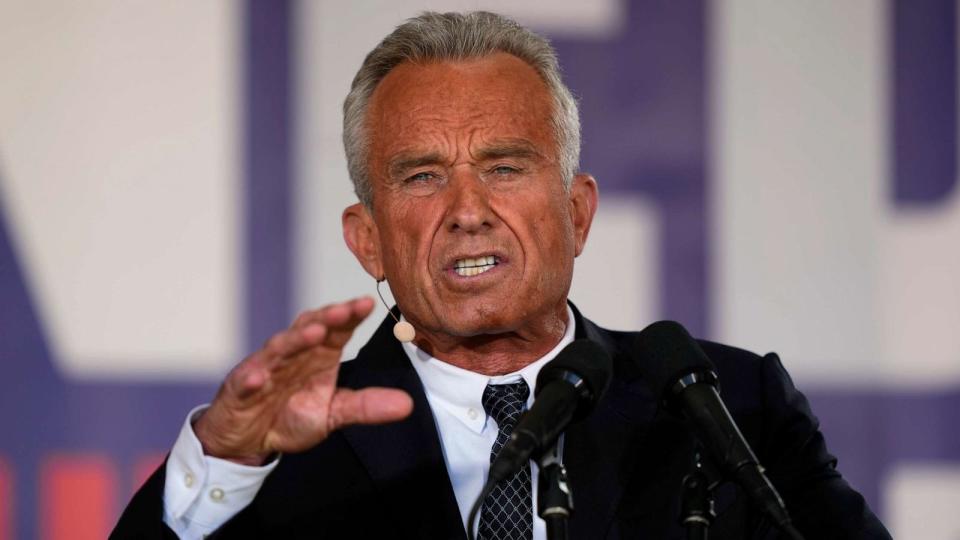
(470, 322)
(473, 328)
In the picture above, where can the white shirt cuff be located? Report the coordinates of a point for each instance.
(201, 492)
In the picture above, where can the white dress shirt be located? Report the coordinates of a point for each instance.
(202, 492)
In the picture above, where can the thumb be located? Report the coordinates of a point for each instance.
(373, 405)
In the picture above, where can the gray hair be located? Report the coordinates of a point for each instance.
(456, 36)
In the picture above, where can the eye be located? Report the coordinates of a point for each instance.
(504, 170)
(423, 183)
(420, 177)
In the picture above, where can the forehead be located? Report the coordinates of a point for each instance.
(493, 97)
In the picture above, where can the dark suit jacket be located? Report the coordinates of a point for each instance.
(625, 463)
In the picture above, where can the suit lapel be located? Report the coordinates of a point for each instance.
(599, 452)
(404, 459)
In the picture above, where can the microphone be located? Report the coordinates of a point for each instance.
(682, 376)
(568, 387)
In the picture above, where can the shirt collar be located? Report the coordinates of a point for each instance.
(459, 391)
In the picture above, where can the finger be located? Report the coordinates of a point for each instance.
(339, 334)
(293, 341)
(250, 377)
(340, 319)
(254, 374)
(373, 405)
(336, 315)
(250, 380)
(315, 334)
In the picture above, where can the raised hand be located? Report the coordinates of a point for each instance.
(284, 398)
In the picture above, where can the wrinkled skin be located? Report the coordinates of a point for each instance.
(463, 163)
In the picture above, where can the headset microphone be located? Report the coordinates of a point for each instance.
(403, 330)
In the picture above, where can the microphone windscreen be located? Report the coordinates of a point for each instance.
(667, 353)
(587, 360)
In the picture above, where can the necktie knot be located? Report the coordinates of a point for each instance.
(505, 403)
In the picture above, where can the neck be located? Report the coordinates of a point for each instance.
(496, 354)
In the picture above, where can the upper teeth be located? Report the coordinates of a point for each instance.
(472, 267)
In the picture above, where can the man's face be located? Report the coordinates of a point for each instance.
(471, 224)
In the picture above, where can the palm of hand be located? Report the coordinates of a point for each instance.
(283, 398)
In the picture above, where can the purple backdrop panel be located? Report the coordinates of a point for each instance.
(643, 97)
(871, 431)
(268, 156)
(924, 100)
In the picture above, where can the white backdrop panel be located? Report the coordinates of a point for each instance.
(813, 260)
(118, 147)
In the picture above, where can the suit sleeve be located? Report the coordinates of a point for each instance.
(143, 517)
(820, 502)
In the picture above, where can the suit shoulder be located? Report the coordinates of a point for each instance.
(731, 356)
(725, 357)
(744, 375)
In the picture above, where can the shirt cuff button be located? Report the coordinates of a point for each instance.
(216, 494)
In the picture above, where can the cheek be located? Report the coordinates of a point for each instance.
(554, 231)
(405, 235)
(401, 250)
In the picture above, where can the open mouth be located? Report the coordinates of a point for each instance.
(474, 267)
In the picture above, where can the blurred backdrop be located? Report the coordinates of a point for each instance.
(776, 175)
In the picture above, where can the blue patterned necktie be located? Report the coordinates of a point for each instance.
(507, 513)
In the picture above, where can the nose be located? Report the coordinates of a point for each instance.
(469, 208)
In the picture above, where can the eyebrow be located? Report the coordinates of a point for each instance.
(517, 149)
(514, 149)
(404, 162)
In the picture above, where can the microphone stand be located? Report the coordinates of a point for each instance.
(554, 498)
(696, 502)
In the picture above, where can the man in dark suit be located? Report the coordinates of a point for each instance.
(462, 143)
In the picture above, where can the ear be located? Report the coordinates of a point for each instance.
(584, 199)
(363, 238)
